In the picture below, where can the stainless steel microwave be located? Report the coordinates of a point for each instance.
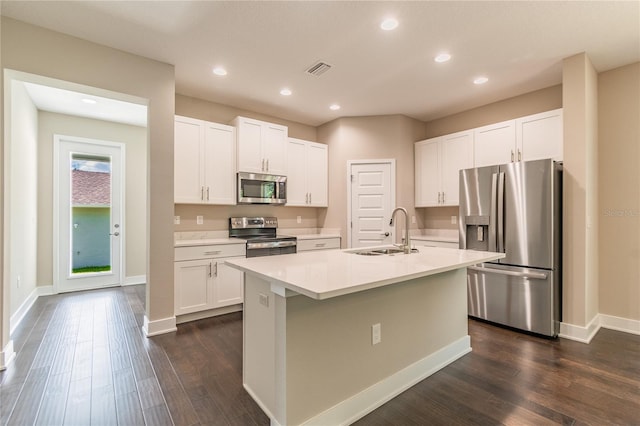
(256, 188)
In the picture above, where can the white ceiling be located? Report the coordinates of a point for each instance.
(265, 46)
(68, 102)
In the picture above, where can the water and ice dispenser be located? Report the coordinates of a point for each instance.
(477, 232)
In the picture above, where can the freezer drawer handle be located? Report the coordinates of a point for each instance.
(532, 275)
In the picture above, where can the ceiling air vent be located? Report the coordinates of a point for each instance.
(318, 68)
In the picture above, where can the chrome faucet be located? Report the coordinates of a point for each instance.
(407, 245)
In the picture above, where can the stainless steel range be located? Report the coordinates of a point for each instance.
(262, 236)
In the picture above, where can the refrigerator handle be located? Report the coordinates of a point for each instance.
(501, 212)
(492, 213)
(530, 275)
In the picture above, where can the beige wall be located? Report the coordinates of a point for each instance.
(22, 191)
(580, 223)
(105, 71)
(366, 138)
(135, 140)
(619, 191)
(216, 218)
(508, 109)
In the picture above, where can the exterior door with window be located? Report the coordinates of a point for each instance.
(88, 231)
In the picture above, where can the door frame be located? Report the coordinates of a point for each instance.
(57, 140)
(350, 164)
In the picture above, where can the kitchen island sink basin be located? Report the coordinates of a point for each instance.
(381, 251)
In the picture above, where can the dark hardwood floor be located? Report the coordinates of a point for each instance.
(82, 359)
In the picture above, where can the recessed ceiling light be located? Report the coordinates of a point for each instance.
(286, 92)
(89, 101)
(334, 107)
(480, 80)
(442, 57)
(219, 71)
(389, 24)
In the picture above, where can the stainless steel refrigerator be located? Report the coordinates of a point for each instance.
(515, 209)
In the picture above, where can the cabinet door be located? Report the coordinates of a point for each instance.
(297, 173)
(219, 155)
(427, 176)
(250, 157)
(274, 149)
(540, 136)
(456, 153)
(187, 166)
(228, 285)
(317, 175)
(192, 290)
(494, 144)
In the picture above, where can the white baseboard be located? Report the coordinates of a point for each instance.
(161, 326)
(620, 324)
(7, 356)
(45, 290)
(356, 407)
(580, 333)
(585, 334)
(22, 310)
(134, 280)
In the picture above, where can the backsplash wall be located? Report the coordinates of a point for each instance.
(216, 218)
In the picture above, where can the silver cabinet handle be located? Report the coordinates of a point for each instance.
(211, 253)
(321, 244)
(512, 156)
(310, 198)
(262, 166)
(207, 193)
(519, 155)
(306, 198)
(210, 269)
(215, 271)
(533, 275)
(202, 193)
(443, 197)
(267, 164)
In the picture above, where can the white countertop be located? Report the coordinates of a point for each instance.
(208, 242)
(440, 238)
(325, 274)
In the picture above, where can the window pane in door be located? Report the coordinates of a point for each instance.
(90, 214)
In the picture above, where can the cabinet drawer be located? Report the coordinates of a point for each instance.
(319, 244)
(208, 252)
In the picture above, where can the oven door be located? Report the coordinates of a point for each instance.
(255, 188)
(272, 248)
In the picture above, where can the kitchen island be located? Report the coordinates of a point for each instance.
(331, 335)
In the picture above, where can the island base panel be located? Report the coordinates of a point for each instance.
(311, 361)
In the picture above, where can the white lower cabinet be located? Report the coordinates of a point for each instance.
(206, 282)
(318, 244)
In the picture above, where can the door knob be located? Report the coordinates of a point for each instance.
(386, 234)
(115, 234)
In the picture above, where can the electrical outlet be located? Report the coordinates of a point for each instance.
(199, 220)
(376, 334)
(176, 220)
(19, 280)
(263, 299)
(413, 219)
(454, 220)
(299, 219)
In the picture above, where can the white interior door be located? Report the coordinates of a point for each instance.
(88, 207)
(371, 202)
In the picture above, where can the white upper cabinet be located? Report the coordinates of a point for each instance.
(540, 136)
(533, 137)
(437, 165)
(262, 146)
(307, 179)
(495, 144)
(204, 159)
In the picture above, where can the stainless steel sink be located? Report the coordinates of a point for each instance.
(381, 251)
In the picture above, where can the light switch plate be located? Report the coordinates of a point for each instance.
(199, 220)
(176, 220)
(454, 220)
